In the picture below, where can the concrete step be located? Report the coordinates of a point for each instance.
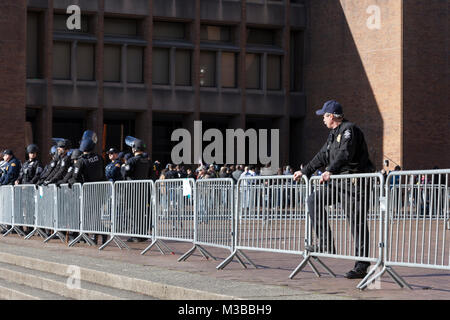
(14, 291)
(134, 287)
(58, 285)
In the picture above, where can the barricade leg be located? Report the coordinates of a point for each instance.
(119, 243)
(38, 231)
(202, 250)
(307, 260)
(81, 236)
(239, 255)
(157, 243)
(54, 234)
(398, 279)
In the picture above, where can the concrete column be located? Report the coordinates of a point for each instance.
(95, 117)
(44, 123)
(144, 120)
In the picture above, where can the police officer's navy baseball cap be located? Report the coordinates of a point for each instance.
(7, 151)
(331, 106)
(112, 150)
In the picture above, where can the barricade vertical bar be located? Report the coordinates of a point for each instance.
(211, 217)
(7, 209)
(416, 196)
(174, 219)
(264, 213)
(344, 197)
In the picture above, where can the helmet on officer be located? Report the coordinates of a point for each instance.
(88, 141)
(32, 148)
(64, 144)
(135, 143)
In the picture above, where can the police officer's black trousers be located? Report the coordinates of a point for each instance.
(345, 200)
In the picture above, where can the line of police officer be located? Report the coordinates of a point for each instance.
(75, 166)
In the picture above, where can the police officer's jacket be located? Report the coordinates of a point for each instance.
(31, 172)
(112, 171)
(68, 175)
(137, 168)
(89, 168)
(48, 169)
(344, 152)
(12, 172)
(60, 169)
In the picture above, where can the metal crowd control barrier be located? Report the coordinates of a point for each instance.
(270, 216)
(46, 206)
(174, 212)
(416, 232)
(67, 211)
(132, 214)
(345, 219)
(97, 203)
(24, 207)
(213, 218)
(7, 208)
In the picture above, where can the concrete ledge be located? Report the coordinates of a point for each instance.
(154, 289)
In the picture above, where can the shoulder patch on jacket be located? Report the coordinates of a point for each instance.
(347, 134)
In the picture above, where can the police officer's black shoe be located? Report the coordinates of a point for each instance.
(356, 274)
(359, 271)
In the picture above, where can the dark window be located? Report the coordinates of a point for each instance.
(85, 61)
(253, 71)
(273, 72)
(228, 71)
(296, 63)
(122, 27)
(34, 45)
(160, 65)
(215, 33)
(61, 60)
(135, 64)
(268, 37)
(207, 68)
(112, 63)
(169, 30)
(183, 67)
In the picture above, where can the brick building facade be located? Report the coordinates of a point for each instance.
(147, 67)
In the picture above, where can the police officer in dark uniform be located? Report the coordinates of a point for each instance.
(12, 169)
(32, 168)
(112, 170)
(74, 156)
(63, 164)
(49, 167)
(89, 167)
(124, 160)
(136, 168)
(345, 152)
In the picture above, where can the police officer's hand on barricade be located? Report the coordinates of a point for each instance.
(46, 183)
(325, 177)
(297, 175)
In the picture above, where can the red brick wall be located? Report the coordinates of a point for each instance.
(13, 75)
(426, 107)
(359, 67)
